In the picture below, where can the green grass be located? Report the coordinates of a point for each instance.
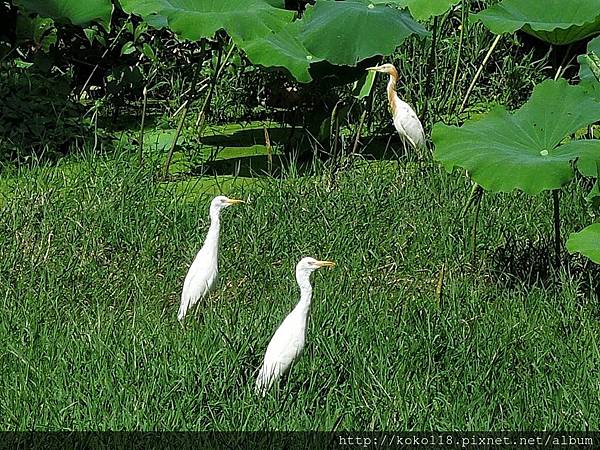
(93, 253)
(92, 263)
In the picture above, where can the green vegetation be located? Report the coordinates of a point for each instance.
(586, 242)
(445, 311)
(93, 266)
(523, 149)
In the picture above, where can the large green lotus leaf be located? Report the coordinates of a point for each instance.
(75, 11)
(504, 151)
(554, 21)
(195, 19)
(341, 33)
(421, 9)
(281, 49)
(347, 32)
(586, 242)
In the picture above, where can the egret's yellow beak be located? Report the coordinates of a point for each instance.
(325, 263)
(233, 201)
(372, 68)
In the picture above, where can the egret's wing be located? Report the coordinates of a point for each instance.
(285, 345)
(408, 125)
(404, 134)
(199, 280)
(414, 129)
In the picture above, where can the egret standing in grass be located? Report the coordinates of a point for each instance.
(288, 341)
(203, 272)
(406, 121)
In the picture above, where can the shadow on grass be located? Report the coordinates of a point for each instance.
(586, 272)
(385, 147)
(523, 262)
(530, 263)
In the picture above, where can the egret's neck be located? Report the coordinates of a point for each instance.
(391, 90)
(303, 305)
(212, 237)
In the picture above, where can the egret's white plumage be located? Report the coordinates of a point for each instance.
(288, 341)
(405, 119)
(203, 272)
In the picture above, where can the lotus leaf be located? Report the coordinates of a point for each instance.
(195, 19)
(522, 150)
(421, 9)
(282, 50)
(77, 12)
(586, 242)
(342, 33)
(554, 21)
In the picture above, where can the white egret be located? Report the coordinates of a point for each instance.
(288, 341)
(203, 272)
(405, 119)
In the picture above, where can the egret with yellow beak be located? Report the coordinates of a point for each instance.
(405, 119)
(202, 275)
(288, 341)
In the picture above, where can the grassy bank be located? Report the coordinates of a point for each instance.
(93, 259)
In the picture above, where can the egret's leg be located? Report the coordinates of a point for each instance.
(415, 148)
(387, 146)
(199, 308)
(404, 154)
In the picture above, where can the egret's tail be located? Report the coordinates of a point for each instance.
(182, 310)
(266, 378)
(262, 384)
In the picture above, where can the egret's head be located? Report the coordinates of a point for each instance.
(385, 68)
(221, 202)
(308, 265)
